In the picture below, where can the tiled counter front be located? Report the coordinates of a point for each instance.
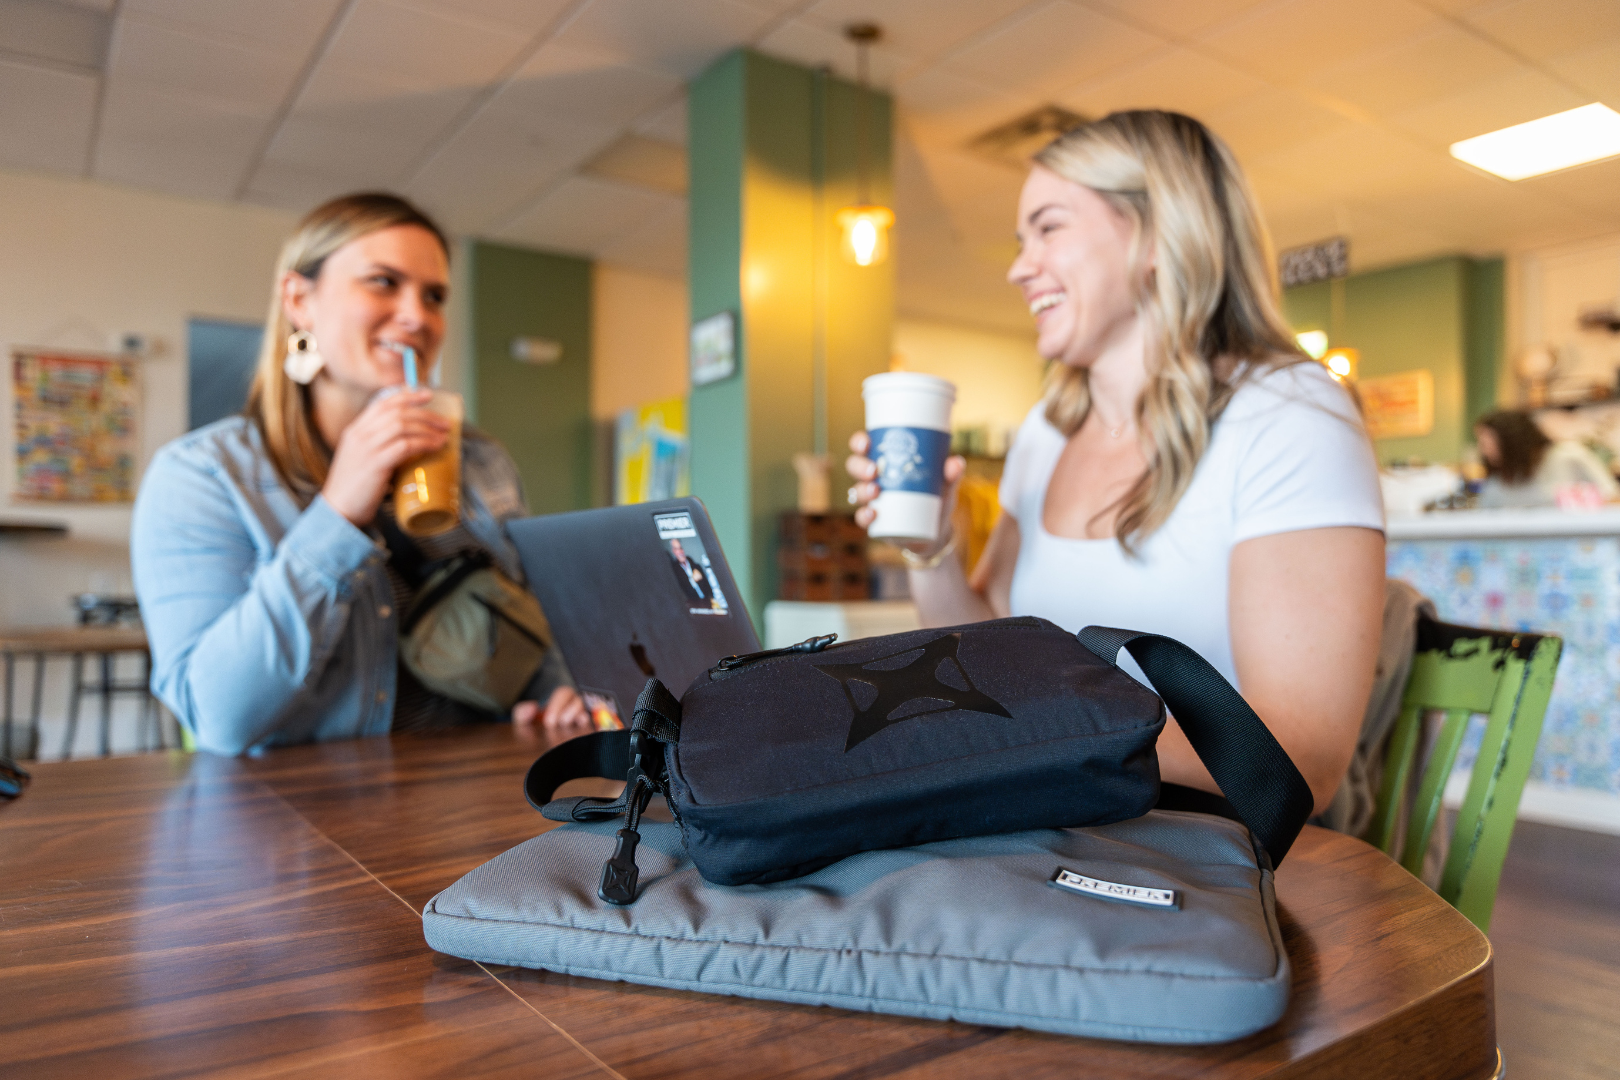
(1566, 585)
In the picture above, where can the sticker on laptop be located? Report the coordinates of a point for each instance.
(689, 563)
(1113, 890)
(604, 709)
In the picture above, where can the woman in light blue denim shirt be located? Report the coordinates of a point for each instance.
(272, 614)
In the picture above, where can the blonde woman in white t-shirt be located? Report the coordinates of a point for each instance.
(1188, 471)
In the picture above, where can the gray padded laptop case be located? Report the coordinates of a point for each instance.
(972, 930)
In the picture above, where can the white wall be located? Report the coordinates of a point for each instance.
(1548, 288)
(997, 375)
(80, 264)
(638, 347)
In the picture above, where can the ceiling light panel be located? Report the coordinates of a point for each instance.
(1560, 141)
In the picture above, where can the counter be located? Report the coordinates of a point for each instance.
(1552, 571)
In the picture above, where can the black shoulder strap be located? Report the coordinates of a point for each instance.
(406, 556)
(601, 753)
(1255, 773)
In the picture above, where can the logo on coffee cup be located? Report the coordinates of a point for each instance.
(910, 459)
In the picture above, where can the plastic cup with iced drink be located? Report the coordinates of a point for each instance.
(427, 490)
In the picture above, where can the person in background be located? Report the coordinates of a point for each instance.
(271, 606)
(1189, 472)
(1524, 468)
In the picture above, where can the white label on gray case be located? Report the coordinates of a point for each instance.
(1113, 890)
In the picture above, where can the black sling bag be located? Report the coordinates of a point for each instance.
(777, 763)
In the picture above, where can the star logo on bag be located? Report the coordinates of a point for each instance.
(907, 691)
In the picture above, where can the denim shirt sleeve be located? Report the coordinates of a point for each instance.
(236, 635)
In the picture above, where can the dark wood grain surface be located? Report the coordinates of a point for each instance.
(175, 915)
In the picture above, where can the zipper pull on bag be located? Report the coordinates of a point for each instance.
(808, 645)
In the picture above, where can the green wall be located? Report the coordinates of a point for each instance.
(541, 413)
(1444, 314)
(760, 236)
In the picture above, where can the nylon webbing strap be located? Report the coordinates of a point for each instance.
(601, 753)
(1253, 770)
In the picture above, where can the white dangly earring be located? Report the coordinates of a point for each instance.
(303, 360)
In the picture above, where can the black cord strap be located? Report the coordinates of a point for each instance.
(1253, 770)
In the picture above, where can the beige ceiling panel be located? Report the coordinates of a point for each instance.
(528, 16)
(181, 143)
(583, 215)
(1053, 47)
(809, 45)
(226, 70)
(1424, 68)
(45, 117)
(681, 39)
(944, 106)
(294, 187)
(1287, 41)
(1175, 19)
(1358, 161)
(921, 30)
(489, 170)
(1271, 120)
(419, 50)
(1548, 28)
(360, 155)
(346, 97)
(667, 122)
(584, 86)
(1175, 78)
(91, 5)
(1591, 190)
(657, 245)
(290, 27)
(1596, 71)
(1514, 99)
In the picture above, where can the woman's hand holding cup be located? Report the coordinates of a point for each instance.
(864, 471)
(392, 429)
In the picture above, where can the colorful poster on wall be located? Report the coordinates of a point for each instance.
(76, 435)
(1398, 405)
(651, 458)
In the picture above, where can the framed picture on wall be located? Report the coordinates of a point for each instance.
(75, 426)
(714, 349)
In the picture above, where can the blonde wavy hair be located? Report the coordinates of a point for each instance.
(1212, 294)
(281, 408)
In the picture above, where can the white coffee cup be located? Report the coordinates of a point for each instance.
(908, 417)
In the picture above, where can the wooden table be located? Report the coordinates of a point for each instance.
(171, 914)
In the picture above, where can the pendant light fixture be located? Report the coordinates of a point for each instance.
(864, 226)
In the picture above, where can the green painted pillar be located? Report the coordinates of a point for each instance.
(775, 152)
(540, 412)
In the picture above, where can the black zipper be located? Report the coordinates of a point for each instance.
(808, 645)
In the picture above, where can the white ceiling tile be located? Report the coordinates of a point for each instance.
(1270, 120)
(1588, 188)
(943, 105)
(924, 30)
(1287, 41)
(1547, 28)
(288, 26)
(294, 187)
(529, 16)
(1175, 19)
(45, 117)
(230, 71)
(419, 51)
(1522, 95)
(667, 122)
(681, 39)
(363, 156)
(656, 245)
(183, 143)
(489, 169)
(55, 33)
(348, 97)
(1053, 47)
(583, 215)
(1176, 79)
(1423, 68)
(812, 46)
(584, 85)
(90, 5)
(1596, 71)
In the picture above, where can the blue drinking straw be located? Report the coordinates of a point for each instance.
(410, 365)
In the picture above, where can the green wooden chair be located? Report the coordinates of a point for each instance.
(1465, 670)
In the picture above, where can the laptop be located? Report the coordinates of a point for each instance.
(632, 592)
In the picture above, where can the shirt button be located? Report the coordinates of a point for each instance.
(382, 696)
(384, 611)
